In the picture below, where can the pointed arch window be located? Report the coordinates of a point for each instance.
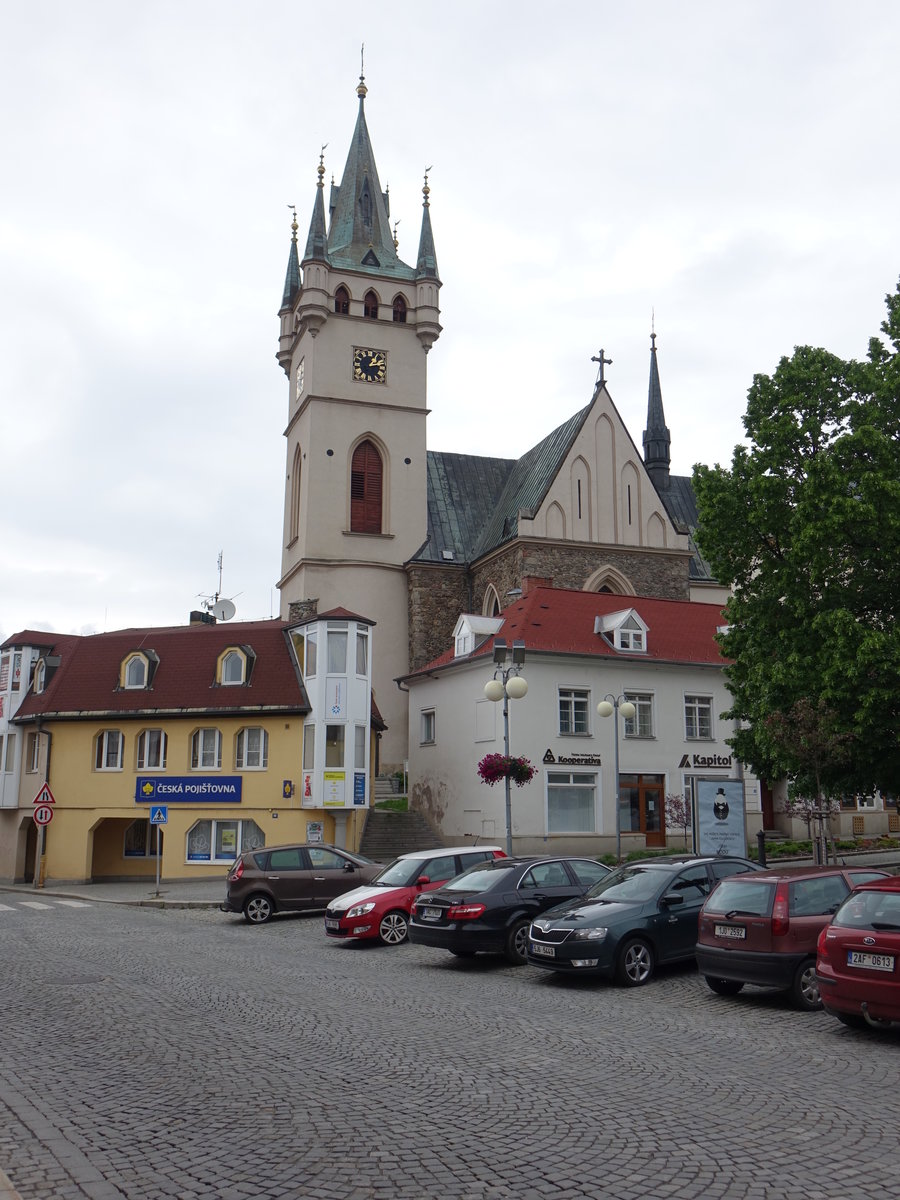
(294, 527)
(342, 300)
(366, 483)
(370, 306)
(400, 310)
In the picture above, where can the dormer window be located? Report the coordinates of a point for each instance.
(136, 672)
(232, 666)
(471, 630)
(623, 630)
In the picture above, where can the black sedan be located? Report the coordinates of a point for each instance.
(639, 915)
(490, 906)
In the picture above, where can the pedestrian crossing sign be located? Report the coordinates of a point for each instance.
(159, 815)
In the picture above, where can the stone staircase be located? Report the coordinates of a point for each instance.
(388, 834)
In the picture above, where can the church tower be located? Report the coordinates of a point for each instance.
(356, 326)
(657, 439)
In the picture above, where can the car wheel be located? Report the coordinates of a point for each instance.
(516, 950)
(634, 966)
(851, 1020)
(723, 987)
(804, 990)
(258, 909)
(394, 928)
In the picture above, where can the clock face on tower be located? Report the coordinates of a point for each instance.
(369, 366)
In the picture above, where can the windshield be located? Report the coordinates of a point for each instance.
(741, 898)
(627, 883)
(402, 872)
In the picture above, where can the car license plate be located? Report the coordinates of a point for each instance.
(330, 923)
(731, 931)
(429, 914)
(872, 962)
(543, 951)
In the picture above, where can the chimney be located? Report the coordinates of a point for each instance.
(530, 582)
(201, 618)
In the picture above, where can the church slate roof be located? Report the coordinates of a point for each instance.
(529, 482)
(681, 504)
(463, 490)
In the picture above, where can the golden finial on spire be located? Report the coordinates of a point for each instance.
(320, 170)
(426, 190)
(396, 242)
(361, 88)
(293, 208)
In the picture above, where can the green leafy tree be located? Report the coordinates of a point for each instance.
(805, 527)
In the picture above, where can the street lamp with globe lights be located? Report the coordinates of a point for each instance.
(507, 685)
(609, 706)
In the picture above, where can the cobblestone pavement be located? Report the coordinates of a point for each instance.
(183, 1054)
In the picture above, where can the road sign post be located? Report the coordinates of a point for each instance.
(159, 815)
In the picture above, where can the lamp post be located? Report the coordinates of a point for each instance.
(507, 685)
(608, 707)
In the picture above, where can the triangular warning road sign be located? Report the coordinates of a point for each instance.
(44, 796)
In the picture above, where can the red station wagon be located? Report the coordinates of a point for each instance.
(858, 966)
(762, 928)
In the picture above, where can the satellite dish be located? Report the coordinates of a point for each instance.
(223, 610)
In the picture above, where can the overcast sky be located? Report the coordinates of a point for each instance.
(732, 167)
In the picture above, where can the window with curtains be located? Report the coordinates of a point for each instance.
(366, 481)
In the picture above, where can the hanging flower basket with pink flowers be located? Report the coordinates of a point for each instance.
(494, 767)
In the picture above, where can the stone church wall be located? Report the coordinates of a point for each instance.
(437, 596)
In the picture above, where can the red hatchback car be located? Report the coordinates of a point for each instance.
(858, 964)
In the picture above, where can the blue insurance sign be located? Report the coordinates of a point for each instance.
(188, 789)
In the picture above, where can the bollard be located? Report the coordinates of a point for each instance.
(761, 847)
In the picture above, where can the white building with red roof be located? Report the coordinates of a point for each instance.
(580, 648)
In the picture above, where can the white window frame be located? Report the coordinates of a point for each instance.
(9, 757)
(694, 705)
(573, 700)
(140, 661)
(110, 746)
(245, 839)
(145, 759)
(243, 751)
(587, 781)
(641, 725)
(427, 727)
(33, 754)
(200, 750)
(228, 659)
(309, 746)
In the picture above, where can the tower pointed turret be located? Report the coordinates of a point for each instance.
(292, 275)
(426, 260)
(317, 239)
(657, 439)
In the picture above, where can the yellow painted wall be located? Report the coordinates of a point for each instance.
(94, 808)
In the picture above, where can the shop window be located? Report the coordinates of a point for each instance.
(222, 841)
(571, 801)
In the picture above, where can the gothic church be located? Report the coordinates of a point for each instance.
(376, 523)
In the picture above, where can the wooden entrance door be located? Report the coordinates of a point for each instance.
(642, 807)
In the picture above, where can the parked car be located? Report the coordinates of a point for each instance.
(641, 914)
(763, 928)
(489, 908)
(381, 910)
(275, 879)
(858, 964)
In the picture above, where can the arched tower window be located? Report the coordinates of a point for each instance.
(366, 481)
(342, 300)
(370, 306)
(400, 310)
(296, 468)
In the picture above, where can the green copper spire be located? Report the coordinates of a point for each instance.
(292, 277)
(657, 439)
(426, 261)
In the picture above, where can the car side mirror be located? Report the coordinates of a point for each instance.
(423, 879)
(349, 866)
(672, 898)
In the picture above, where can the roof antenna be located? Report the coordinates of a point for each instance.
(221, 609)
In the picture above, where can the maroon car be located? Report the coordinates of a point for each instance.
(762, 928)
(858, 965)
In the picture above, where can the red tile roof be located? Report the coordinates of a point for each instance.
(558, 621)
(86, 681)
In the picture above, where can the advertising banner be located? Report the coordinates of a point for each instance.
(720, 824)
